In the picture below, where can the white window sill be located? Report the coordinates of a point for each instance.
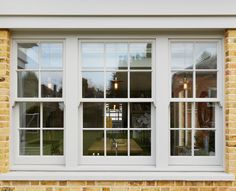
(188, 176)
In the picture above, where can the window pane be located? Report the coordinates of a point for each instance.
(140, 143)
(140, 115)
(204, 143)
(182, 55)
(140, 55)
(205, 115)
(29, 114)
(181, 141)
(206, 84)
(206, 55)
(93, 143)
(51, 84)
(93, 115)
(93, 84)
(116, 84)
(51, 55)
(29, 142)
(27, 84)
(27, 56)
(182, 84)
(92, 55)
(116, 115)
(117, 143)
(53, 142)
(117, 55)
(180, 115)
(140, 84)
(53, 114)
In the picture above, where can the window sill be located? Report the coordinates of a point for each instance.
(188, 176)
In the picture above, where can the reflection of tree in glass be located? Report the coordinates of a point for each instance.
(91, 92)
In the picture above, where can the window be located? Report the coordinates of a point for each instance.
(152, 103)
(40, 116)
(195, 100)
(117, 100)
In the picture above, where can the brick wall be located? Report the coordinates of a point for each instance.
(4, 99)
(230, 131)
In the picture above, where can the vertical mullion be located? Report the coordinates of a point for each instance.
(104, 103)
(128, 126)
(39, 70)
(41, 129)
(128, 104)
(192, 127)
(105, 130)
(194, 71)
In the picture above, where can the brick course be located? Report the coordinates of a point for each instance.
(230, 137)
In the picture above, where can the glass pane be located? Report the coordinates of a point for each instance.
(116, 115)
(206, 55)
(140, 115)
(52, 55)
(92, 55)
(93, 143)
(204, 143)
(182, 84)
(27, 56)
(181, 55)
(51, 84)
(29, 114)
(117, 143)
(116, 56)
(181, 142)
(140, 55)
(53, 142)
(206, 84)
(29, 142)
(93, 84)
(205, 115)
(140, 84)
(180, 115)
(116, 84)
(53, 114)
(27, 84)
(140, 143)
(93, 115)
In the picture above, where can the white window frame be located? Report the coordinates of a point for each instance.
(71, 160)
(24, 159)
(218, 101)
(118, 160)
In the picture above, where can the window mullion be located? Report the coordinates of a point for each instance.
(71, 102)
(162, 119)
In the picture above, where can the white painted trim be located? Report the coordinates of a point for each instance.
(176, 176)
(113, 8)
(118, 23)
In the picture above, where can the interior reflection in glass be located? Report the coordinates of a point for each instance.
(181, 141)
(116, 115)
(116, 84)
(206, 84)
(182, 84)
(204, 143)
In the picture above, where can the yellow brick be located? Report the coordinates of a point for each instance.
(165, 183)
(76, 183)
(104, 183)
(91, 189)
(137, 183)
(49, 183)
